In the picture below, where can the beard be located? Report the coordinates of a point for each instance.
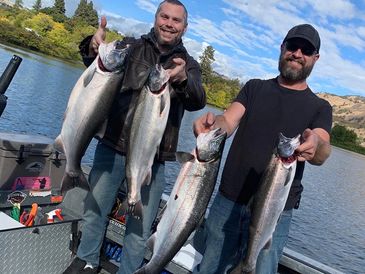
(162, 43)
(294, 75)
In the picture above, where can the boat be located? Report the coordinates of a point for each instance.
(30, 175)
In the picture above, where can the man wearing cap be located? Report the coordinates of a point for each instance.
(262, 110)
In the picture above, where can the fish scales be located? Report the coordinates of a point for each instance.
(186, 205)
(148, 126)
(269, 201)
(87, 109)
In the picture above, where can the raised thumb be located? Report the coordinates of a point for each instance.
(103, 22)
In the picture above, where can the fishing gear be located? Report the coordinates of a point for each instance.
(6, 78)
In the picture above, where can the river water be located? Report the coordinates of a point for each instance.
(329, 226)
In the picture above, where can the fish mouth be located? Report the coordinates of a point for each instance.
(112, 56)
(210, 145)
(287, 146)
(159, 90)
(158, 79)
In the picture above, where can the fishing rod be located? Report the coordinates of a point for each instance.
(6, 78)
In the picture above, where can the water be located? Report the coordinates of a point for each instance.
(330, 223)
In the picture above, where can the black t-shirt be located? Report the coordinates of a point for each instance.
(270, 109)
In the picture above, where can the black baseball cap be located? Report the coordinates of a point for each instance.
(307, 32)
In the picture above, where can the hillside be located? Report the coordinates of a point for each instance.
(348, 111)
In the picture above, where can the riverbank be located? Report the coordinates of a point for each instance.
(19, 50)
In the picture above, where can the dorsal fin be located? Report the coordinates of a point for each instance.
(184, 157)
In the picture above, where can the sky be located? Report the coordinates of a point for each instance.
(246, 35)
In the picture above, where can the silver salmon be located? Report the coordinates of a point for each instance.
(87, 109)
(269, 201)
(188, 200)
(148, 126)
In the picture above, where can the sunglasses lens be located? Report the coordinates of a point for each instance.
(290, 46)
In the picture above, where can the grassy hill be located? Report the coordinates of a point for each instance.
(348, 111)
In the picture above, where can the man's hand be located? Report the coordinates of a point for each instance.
(307, 149)
(316, 146)
(98, 38)
(204, 123)
(177, 73)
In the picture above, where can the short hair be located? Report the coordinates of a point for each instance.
(174, 2)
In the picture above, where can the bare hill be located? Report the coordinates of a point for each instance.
(348, 111)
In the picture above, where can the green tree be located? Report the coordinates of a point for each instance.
(59, 7)
(206, 61)
(92, 18)
(341, 134)
(57, 11)
(37, 5)
(18, 3)
(86, 13)
(81, 9)
(40, 23)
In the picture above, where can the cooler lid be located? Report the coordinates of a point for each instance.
(13, 142)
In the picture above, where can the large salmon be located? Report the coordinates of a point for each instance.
(87, 109)
(269, 201)
(188, 200)
(148, 126)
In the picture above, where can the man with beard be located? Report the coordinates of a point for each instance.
(262, 109)
(162, 45)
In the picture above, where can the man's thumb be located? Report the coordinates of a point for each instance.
(102, 22)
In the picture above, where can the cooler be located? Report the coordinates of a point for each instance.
(29, 163)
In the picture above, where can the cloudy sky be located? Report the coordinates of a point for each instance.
(246, 35)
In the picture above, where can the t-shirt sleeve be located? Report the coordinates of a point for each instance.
(243, 95)
(323, 118)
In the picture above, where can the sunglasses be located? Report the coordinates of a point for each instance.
(305, 49)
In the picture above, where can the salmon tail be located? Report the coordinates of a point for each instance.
(72, 180)
(150, 267)
(142, 270)
(151, 242)
(58, 144)
(241, 268)
(135, 210)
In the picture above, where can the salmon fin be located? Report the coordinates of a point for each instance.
(250, 204)
(157, 156)
(163, 104)
(101, 131)
(147, 180)
(240, 269)
(183, 157)
(268, 244)
(142, 270)
(151, 242)
(288, 177)
(236, 269)
(72, 180)
(89, 76)
(160, 214)
(58, 144)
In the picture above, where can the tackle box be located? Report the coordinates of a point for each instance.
(46, 247)
(31, 173)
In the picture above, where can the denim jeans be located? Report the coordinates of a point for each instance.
(105, 178)
(226, 232)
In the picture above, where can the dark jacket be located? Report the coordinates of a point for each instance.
(144, 55)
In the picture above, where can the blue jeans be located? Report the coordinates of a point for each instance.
(106, 176)
(226, 232)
